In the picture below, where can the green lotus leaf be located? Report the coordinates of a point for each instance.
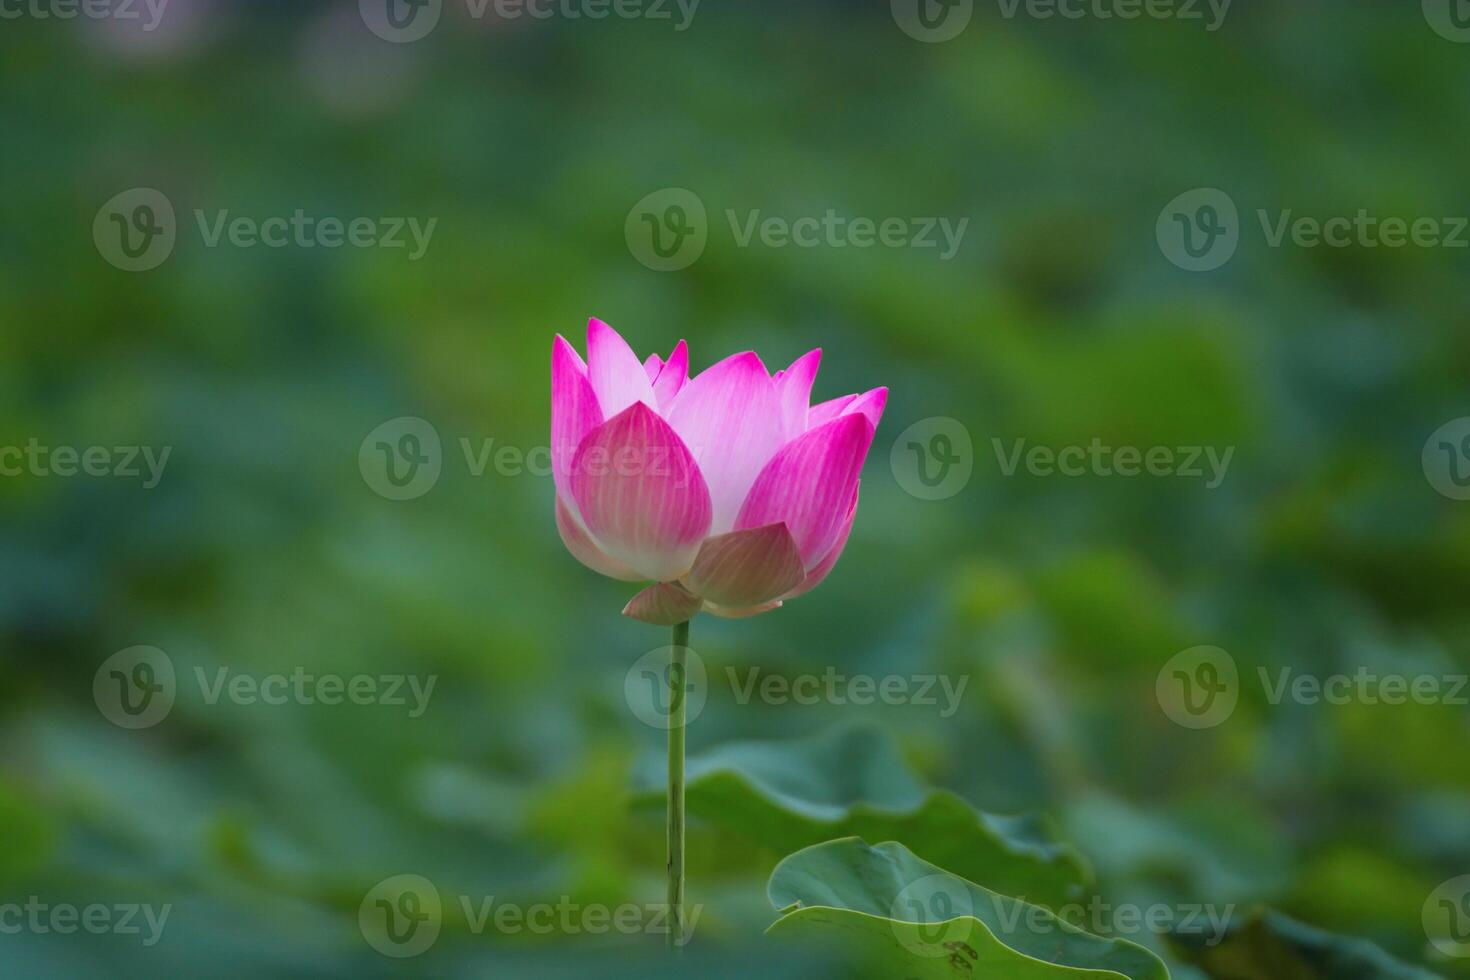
(901, 916)
(852, 782)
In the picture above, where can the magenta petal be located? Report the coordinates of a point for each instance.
(870, 403)
(671, 377)
(574, 411)
(585, 550)
(651, 367)
(746, 568)
(809, 485)
(730, 418)
(827, 411)
(664, 604)
(640, 493)
(815, 576)
(615, 371)
(728, 612)
(794, 386)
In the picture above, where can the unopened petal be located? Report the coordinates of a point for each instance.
(574, 411)
(824, 412)
(671, 377)
(815, 576)
(640, 493)
(615, 372)
(728, 612)
(746, 568)
(664, 604)
(730, 418)
(586, 550)
(870, 403)
(794, 387)
(809, 485)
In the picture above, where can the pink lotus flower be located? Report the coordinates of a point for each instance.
(729, 489)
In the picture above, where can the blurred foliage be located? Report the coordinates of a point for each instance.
(263, 549)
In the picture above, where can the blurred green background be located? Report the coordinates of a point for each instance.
(264, 548)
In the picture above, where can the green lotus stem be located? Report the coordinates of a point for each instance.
(677, 670)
